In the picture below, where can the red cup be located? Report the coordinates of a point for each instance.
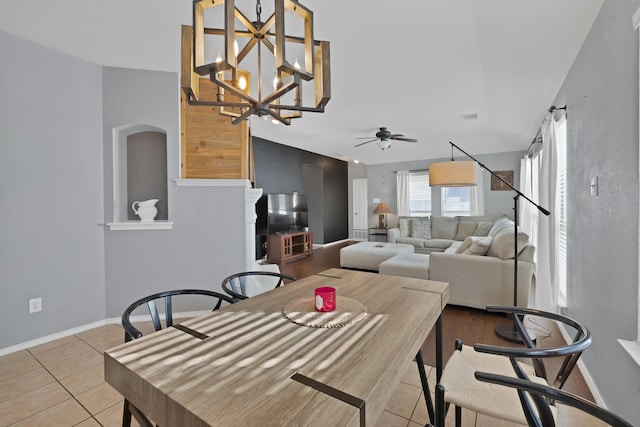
(325, 298)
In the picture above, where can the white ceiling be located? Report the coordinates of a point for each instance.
(414, 66)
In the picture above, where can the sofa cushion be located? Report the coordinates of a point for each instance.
(502, 245)
(415, 241)
(465, 229)
(479, 246)
(438, 243)
(444, 227)
(420, 227)
(482, 229)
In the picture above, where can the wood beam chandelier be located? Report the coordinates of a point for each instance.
(260, 43)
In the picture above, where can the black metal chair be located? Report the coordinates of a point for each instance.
(571, 407)
(463, 390)
(131, 332)
(249, 283)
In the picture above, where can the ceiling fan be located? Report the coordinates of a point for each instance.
(383, 136)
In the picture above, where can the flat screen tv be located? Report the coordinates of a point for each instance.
(286, 213)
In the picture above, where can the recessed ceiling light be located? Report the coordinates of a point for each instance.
(472, 116)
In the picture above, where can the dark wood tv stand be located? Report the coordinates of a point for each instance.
(290, 246)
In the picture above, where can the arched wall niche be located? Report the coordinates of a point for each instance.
(139, 173)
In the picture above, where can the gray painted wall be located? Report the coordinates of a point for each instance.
(601, 94)
(206, 243)
(51, 199)
(382, 184)
(56, 195)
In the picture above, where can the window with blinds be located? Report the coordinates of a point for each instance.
(419, 194)
(561, 144)
(455, 201)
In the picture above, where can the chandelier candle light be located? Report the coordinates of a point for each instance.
(452, 174)
(271, 50)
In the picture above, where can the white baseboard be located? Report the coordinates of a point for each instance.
(52, 337)
(86, 327)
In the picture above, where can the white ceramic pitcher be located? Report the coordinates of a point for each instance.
(146, 210)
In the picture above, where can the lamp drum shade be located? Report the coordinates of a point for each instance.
(382, 208)
(453, 174)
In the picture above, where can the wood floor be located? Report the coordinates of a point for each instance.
(470, 325)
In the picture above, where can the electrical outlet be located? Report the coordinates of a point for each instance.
(35, 305)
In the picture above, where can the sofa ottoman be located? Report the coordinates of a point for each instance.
(369, 255)
(407, 265)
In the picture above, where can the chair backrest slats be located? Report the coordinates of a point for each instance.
(155, 317)
(243, 285)
(570, 352)
(131, 332)
(168, 311)
(556, 395)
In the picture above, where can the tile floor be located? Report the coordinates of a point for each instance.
(61, 383)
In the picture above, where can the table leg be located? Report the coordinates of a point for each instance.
(439, 348)
(425, 387)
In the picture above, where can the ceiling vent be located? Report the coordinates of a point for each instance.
(467, 117)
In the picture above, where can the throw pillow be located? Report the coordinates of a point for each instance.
(479, 247)
(465, 229)
(465, 245)
(500, 224)
(420, 228)
(403, 225)
(502, 245)
(482, 229)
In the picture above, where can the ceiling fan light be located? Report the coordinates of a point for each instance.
(383, 144)
(453, 174)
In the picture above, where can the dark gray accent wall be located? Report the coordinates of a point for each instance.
(601, 94)
(51, 198)
(279, 169)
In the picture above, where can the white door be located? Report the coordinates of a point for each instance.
(360, 217)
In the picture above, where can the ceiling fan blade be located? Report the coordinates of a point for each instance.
(395, 135)
(405, 139)
(363, 137)
(366, 142)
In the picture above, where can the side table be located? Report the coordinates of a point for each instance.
(378, 234)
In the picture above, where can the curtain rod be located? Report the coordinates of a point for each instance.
(538, 138)
(415, 170)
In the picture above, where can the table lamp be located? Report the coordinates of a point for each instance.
(382, 210)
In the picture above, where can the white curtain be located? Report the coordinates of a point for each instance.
(403, 196)
(546, 283)
(528, 214)
(476, 195)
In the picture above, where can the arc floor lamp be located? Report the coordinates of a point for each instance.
(463, 174)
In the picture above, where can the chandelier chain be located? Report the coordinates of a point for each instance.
(258, 10)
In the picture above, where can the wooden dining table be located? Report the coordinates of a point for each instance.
(247, 364)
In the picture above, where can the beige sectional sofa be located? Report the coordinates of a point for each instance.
(473, 254)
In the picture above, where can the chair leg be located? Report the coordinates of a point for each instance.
(425, 387)
(126, 415)
(131, 411)
(458, 416)
(441, 410)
